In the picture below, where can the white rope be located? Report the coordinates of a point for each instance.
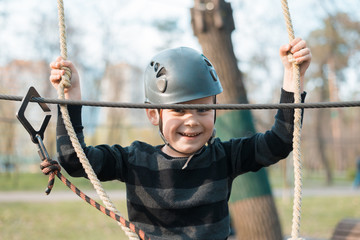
(297, 135)
(65, 83)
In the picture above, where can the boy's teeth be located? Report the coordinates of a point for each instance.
(190, 135)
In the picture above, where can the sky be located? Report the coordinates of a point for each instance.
(260, 30)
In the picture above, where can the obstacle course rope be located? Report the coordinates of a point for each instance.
(295, 230)
(65, 83)
(235, 106)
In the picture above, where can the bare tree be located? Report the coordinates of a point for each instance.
(332, 46)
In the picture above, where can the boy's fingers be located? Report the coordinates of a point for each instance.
(284, 49)
(68, 64)
(55, 78)
(59, 63)
(57, 72)
(295, 41)
(299, 60)
(58, 59)
(56, 64)
(302, 52)
(53, 65)
(303, 59)
(298, 46)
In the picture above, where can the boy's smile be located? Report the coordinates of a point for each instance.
(187, 131)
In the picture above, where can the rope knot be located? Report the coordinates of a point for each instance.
(65, 80)
(51, 168)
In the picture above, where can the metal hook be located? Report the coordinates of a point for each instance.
(21, 116)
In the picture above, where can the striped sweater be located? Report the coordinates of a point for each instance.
(166, 201)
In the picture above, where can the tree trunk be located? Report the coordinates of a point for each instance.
(252, 205)
(335, 116)
(320, 120)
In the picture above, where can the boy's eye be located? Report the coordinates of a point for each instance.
(177, 110)
(203, 110)
(182, 111)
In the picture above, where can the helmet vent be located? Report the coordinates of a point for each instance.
(207, 62)
(156, 67)
(214, 75)
(212, 70)
(161, 72)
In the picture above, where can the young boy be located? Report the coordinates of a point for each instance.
(180, 190)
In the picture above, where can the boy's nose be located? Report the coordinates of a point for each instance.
(191, 120)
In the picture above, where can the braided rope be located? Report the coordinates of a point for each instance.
(234, 106)
(65, 83)
(52, 168)
(297, 134)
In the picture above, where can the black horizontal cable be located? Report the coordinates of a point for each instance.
(188, 106)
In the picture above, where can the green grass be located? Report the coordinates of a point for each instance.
(319, 215)
(310, 179)
(63, 220)
(78, 220)
(38, 182)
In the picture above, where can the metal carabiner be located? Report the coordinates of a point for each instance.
(36, 136)
(21, 115)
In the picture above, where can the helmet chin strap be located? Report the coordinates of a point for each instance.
(168, 144)
(190, 155)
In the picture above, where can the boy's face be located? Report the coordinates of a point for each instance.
(186, 130)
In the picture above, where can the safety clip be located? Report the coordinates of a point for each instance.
(36, 136)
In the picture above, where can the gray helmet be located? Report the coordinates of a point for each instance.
(180, 75)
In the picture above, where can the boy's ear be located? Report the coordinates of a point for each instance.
(153, 116)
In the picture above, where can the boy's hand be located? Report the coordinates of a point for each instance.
(301, 55)
(57, 72)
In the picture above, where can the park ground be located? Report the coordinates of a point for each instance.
(26, 212)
